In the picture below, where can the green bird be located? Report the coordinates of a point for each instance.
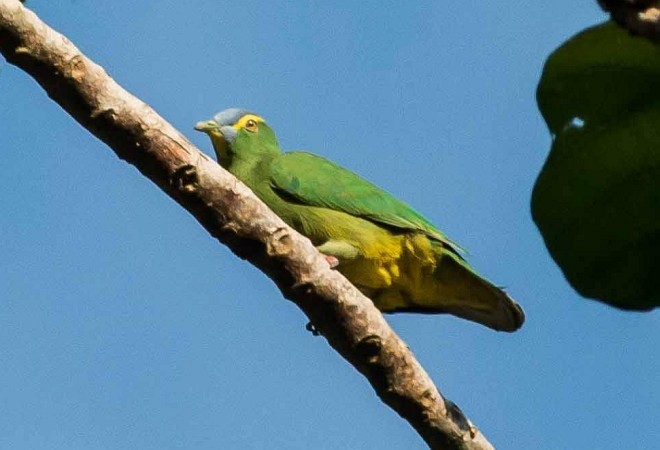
(383, 246)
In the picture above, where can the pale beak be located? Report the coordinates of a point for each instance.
(206, 126)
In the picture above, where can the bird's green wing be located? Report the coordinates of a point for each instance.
(316, 181)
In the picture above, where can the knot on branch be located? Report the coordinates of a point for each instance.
(370, 347)
(185, 179)
(312, 329)
(456, 415)
(76, 68)
(107, 114)
(280, 244)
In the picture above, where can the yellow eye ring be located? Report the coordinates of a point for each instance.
(251, 126)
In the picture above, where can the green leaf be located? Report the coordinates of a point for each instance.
(597, 198)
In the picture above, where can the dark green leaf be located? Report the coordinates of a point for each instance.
(597, 199)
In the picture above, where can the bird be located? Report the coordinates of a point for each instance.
(384, 247)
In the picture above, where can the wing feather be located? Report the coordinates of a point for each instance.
(316, 181)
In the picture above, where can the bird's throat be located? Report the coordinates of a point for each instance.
(222, 152)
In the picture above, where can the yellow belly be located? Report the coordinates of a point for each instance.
(392, 268)
(395, 272)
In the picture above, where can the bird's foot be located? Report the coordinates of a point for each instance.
(312, 329)
(332, 261)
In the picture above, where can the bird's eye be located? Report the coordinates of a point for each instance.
(251, 126)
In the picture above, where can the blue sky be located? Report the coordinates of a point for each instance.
(124, 325)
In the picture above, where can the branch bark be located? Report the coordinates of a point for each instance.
(236, 217)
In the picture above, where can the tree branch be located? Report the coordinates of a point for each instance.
(232, 214)
(637, 16)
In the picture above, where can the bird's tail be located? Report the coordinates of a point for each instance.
(453, 287)
(472, 297)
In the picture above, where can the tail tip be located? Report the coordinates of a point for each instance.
(515, 316)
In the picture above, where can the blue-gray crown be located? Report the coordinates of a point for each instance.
(229, 116)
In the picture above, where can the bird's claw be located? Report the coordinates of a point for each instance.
(332, 261)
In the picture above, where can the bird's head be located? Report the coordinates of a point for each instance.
(238, 133)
